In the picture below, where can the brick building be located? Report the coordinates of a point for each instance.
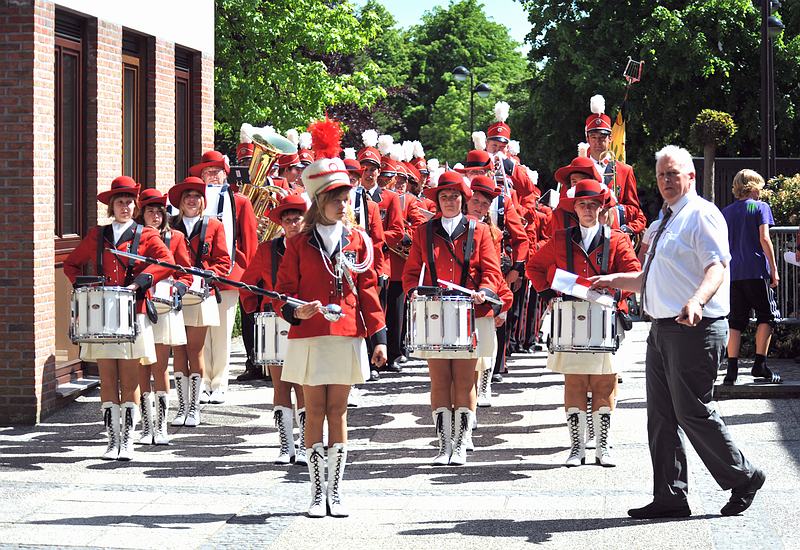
(88, 91)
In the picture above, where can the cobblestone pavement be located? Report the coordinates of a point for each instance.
(216, 486)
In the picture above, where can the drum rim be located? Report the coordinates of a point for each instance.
(114, 288)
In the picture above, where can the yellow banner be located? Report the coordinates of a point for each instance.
(618, 137)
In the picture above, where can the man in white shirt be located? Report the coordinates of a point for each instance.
(684, 285)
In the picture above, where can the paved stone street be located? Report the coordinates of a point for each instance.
(216, 486)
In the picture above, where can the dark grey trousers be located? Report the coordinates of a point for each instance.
(681, 368)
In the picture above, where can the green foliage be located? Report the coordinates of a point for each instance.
(712, 127)
(237, 324)
(281, 63)
(783, 195)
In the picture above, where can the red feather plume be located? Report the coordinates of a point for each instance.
(326, 137)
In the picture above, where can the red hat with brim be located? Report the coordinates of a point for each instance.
(289, 202)
(192, 183)
(476, 160)
(598, 123)
(389, 167)
(499, 131)
(582, 165)
(150, 197)
(413, 173)
(449, 180)
(369, 154)
(210, 159)
(585, 189)
(292, 159)
(353, 165)
(244, 150)
(122, 185)
(306, 156)
(420, 164)
(485, 185)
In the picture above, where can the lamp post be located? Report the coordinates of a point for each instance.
(771, 27)
(460, 74)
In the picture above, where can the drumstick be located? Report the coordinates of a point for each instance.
(453, 286)
(421, 275)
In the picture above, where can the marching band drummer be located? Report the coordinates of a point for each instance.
(329, 262)
(118, 362)
(169, 330)
(205, 239)
(442, 244)
(595, 249)
(263, 271)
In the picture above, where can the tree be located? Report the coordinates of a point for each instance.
(285, 63)
(711, 129)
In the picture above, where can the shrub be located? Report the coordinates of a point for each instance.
(783, 195)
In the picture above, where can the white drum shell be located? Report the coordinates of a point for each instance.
(581, 326)
(163, 296)
(102, 314)
(441, 323)
(271, 338)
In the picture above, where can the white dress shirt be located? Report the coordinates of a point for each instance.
(216, 192)
(331, 236)
(695, 237)
(450, 224)
(189, 223)
(587, 235)
(119, 229)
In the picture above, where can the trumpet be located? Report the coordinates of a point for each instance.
(608, 158)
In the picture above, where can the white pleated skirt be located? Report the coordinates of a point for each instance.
(204, 314)
(487, 362)
(143, 348)
(487, 344)
(170, 330)
(588, 363)
(322, 360)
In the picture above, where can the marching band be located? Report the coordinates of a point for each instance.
(345, 263)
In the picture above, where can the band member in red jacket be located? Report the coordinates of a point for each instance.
(205, 239)
(581, 168)
(594, 249)
(329, 263)
(169, 331)
(441, 244)
(118, 362)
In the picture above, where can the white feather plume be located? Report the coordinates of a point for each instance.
(513, 147)
(246, 133)
(583, 149)
(501, 109)
(396, 152)
(419, 152)
(369, 138)
(479, 140)
(293, 136)
(533, 175)
(433, 165)
(304, 141)
(385, 143)
(458, 166)
(408, 150)
(597, 104)
(350, 153)
(433, 177)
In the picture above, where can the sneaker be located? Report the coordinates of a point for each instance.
(205, 396)
(217, 397)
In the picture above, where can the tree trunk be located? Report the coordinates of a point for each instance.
(709, 155)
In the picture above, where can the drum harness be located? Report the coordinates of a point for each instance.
(133, 248)
(203, 248)
(469, 245)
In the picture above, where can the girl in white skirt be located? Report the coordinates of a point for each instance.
(205, 241)
(169, 330)
(329, 263)
(118, 362)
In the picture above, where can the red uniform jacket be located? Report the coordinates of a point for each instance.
(624, 189)
(304, 275)
(517, 238)
(115, 268)
(542, 265)
(246, 241)
(177, 246)
(412, 218)
(392, 217)
(213, 251)
(374, 228)
(448, 256)
(505, 292)
(262, 272)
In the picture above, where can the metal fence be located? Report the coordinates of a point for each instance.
(788, 294)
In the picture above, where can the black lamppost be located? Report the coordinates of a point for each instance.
(460, 74)
(771, 27)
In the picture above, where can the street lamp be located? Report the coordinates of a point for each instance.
(461, 74)
(771, 27)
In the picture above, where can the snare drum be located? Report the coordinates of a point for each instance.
(271, 339)
(103, 314)
(164, 296)
(196, 293)
(441, 323)
(581, 326)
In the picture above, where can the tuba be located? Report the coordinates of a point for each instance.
(264, 196)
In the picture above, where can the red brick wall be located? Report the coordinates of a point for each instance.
(27, 343)
(161, 115)
(203, 76)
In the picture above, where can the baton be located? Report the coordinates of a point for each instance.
(453, 286)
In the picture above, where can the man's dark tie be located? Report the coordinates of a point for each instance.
(651, 250)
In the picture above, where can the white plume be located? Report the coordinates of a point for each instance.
(501, 109)
(350, 153)
(458, 166)
(479, 140)
(408, 150)
(419, 152)
(583, 149)
(433, 165)
(433, 177)
(369, 138)
(513, 147)
(304, 141)
(396, 152)
(534, 175)
(245, 133)
(293, 136)
(385, 143)
(597, 104)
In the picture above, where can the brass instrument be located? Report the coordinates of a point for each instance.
(262, 194)
(610, 179)
(402, 251)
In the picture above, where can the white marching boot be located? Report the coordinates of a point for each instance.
(576, 424)
(316, 471)
(485, 389)
(148, 422)
(443, 421)
(337, 457)
(193, 412)
(589, 442)
(284, 424)
(111, 422)
(602, 419)
(160, 436)
(182, 389)
(300, 457)
(473, 425)
(127, 413)
(462, 427)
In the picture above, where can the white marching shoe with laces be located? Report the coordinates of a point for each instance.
(285, 425)
(111, 422)
(193, 411)
(127, 414)
(182, 389)
(589, 442)
(148, 424)
(576, 424)
(485, 388)
(337, 458)
(161, 437)
(300, 457)
(443, 422)
(316, 472)
(602, 422)
(462, 420)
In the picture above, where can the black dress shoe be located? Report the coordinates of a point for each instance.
(497, 378)
(251, 373)
(655, 510)
(401, 360)
(742, 497)
(394, 366)
(373, 375)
